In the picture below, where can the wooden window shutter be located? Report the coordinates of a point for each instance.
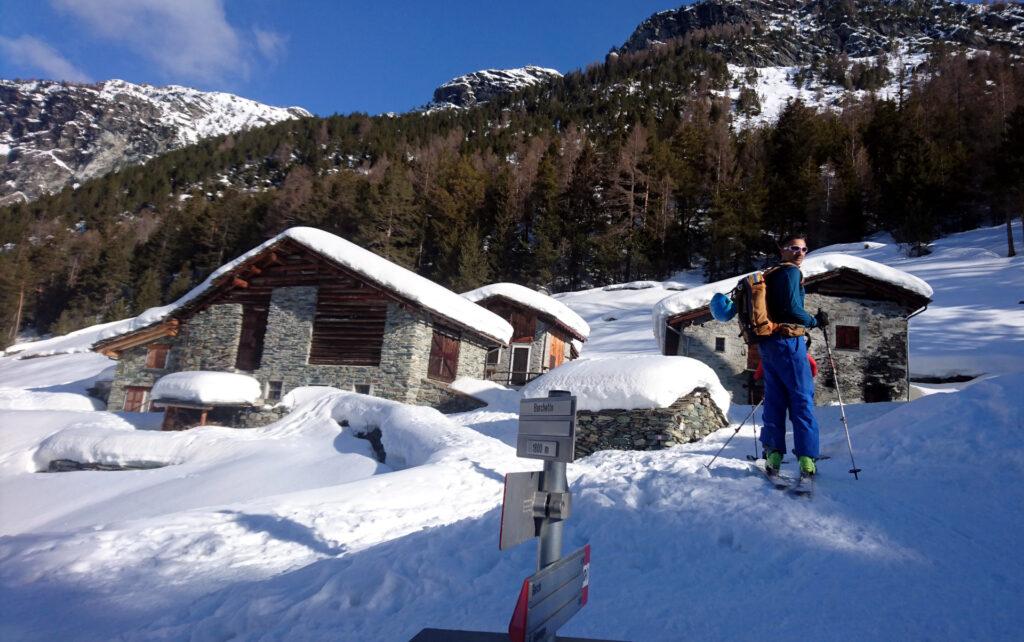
(156, 356)
(443, 363)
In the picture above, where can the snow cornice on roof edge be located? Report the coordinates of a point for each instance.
(537, 301)
(375, 269)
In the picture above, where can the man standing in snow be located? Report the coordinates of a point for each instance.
(788, 385)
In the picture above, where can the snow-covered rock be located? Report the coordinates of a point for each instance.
(487, 84)
(627, 382)
(54, 134)
(534, 300)
(207, 387)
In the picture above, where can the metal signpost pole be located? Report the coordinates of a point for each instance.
(549, 549)
(554, 480)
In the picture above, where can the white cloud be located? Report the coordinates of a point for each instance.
(270, 44)
(35, 56)
(188, 40)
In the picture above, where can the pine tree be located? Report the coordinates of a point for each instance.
(147, 294)
(181, 283)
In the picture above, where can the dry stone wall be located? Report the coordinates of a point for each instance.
(210, 338)
(689, 419)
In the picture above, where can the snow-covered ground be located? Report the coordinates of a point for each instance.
(296, 531)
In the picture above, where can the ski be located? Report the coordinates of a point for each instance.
(778, 480)
(804, 486)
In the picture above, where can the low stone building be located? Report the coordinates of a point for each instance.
(309, 308)
(869, 305)
(545, 332)
(638, 402)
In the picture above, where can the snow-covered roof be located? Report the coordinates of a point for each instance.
(535, 300)
(375, 269)
(207, 387)
(815, 265)
(630, 381)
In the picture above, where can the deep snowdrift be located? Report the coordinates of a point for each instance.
(296, 531)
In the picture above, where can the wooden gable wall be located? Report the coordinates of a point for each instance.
(348, 326)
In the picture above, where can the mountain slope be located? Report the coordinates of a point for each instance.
(56, 134)
(790, 32)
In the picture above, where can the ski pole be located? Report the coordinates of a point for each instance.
(842, 409)
(734, 433)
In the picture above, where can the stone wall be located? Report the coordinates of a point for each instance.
(210, 338)
(880, 364)
(132, 371)
(690, 418)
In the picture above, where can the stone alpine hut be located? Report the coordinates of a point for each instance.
(869, 305)
(309, 308)
(546, 333)
(638, 401)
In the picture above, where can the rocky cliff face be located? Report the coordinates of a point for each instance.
(57, 134)
(795, 32)
(488, 84)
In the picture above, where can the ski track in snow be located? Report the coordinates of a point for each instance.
(295, 531)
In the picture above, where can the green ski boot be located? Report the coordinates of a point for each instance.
(807, 466)
(773, 462)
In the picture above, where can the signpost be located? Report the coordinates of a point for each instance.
(536, 504)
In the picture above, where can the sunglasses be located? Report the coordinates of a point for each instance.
(796, 248)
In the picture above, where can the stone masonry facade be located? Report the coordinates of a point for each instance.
(209, 341)
(877, 371)
(689, 419)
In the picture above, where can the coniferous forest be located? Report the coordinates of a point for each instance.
(631, 169)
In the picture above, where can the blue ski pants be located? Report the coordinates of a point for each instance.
(788, 386)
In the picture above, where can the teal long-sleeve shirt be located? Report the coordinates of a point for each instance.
(786, 297)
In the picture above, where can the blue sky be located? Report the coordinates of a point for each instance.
(327, 56)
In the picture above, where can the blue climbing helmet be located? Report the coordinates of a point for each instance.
(722, 307)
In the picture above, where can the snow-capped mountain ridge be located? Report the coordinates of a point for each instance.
(54, 134)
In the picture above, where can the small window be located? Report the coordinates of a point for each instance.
(274, 390)
(847, 337)
(492, 356)
(719, 344)
(156, 356)
(364, 388)
(136, 399)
